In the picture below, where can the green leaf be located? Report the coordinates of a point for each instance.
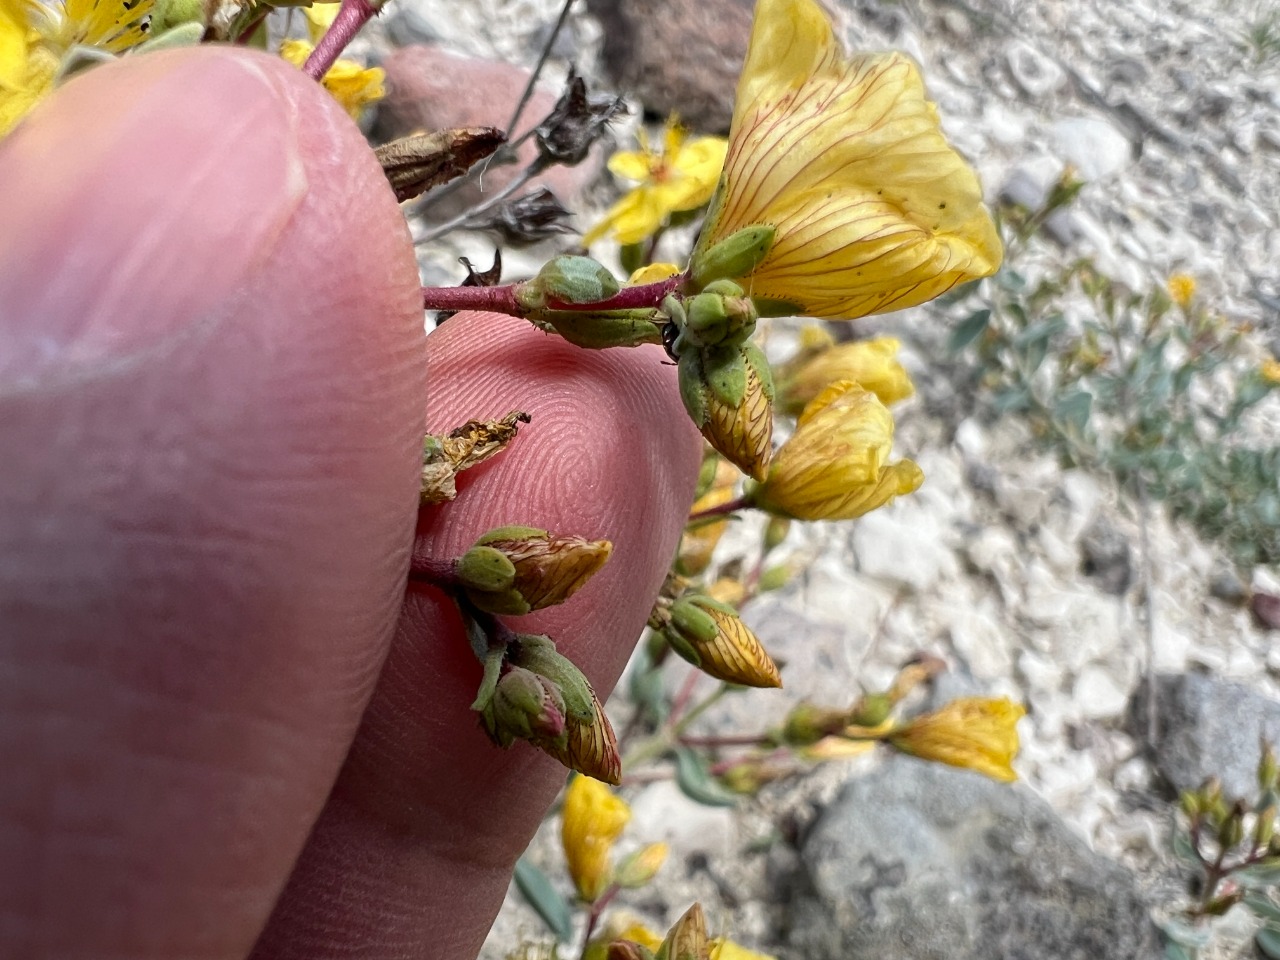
(546, 901)
(1260, 875)
(694, 778)
(968, 330)
(1073, 409)
(1263, 907)
(1181, 843)
(1268, 941)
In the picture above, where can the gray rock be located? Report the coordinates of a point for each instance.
(1106, 556)
(643, 47)
(1096, 148)
(1207, 727)
(922, 862)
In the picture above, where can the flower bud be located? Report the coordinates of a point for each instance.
(1268, 772)
(484, 569)
(807, 724)
(628, 950)
(599, 331)
(729, 394)
(712, 637)
(567, 280)
(524, 706)
(872, 710)
(641, 867)
(545, 569)
(589, 745)
(1264, 827)
(687, 940)
(1231, 830)
(1189, 801)
(722, 315)
(734, 256)
(592, 819)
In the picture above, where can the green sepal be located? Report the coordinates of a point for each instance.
(599, 331)
(693, 389)
(508, 603)
(682, 646)
(756, 359)
(489, 682)
(734, 256)
(767, 307)
(692, 622)
(182, 35)
(574, 279)
(725, 373)
(485, 569)
(512, 532)
(538, 653)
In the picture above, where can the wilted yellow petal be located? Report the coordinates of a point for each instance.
(1270, 371)
(630, 164)
(844, 157)
(872, 364)
(723, 949)
(320, 17)
(352, 85)
(976, 733)
(592, 820)
(835, 466)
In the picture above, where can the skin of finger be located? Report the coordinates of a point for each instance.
(414, 852)
(212, 371)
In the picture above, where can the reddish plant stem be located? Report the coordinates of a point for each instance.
(732, 506)
(494, 299)
(438, 573)
(352, 15)
(597, 909)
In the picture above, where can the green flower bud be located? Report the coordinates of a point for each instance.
(525, 706)
(484, 568)
(567, 280)
(538, 653)
(599, 331)
(1268, 771)
(872, 710)
(733, 257)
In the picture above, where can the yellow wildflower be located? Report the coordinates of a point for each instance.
(835, 466)
(723, 949)
(872, 364)
(976, 733)
(36, 37)
(1182, 287)
(320, 17)
(641, 867)
(1270, 371)
(593, 818)
(871, 208)
(652, 273)
(680, 177)
(352, 85)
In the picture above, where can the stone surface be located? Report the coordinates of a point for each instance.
(1096, 148)
(1207, 727)
(921, 862)
(648, 51)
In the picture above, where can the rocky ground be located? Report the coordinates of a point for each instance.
(1025, 578)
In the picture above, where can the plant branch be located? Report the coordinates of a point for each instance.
(518, 181)
(352, 15)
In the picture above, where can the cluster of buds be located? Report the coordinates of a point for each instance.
(1232, 841)
(529, 690)
(686, 940)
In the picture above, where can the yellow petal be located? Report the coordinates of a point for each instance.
(834, 467)
(630, 164)
(872, 364)
(723, 949)
(13, 44)
(653, 273)
(592, 819)
(873, 210)
(320, 17)
(352, 85)
(976, 733)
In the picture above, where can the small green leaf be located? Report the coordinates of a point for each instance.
(1073, 409)
(1181, 843)
(1260, 875)
(546, 901)
(968, 330)
(1263, 907)
(1268, 941)
(694, 778)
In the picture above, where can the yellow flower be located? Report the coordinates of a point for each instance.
(1270, 371)
(652, 273)
(723, 949)
(352, 85)
(976, 733)
(1182, 287)
(320, 17)
(843, 157)
(680, 177)
(872, 364)
(36, 37)
(593, 819)
(835, 466)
